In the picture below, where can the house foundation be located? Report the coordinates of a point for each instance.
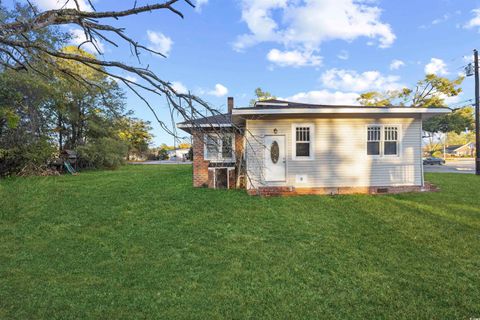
(292, 191)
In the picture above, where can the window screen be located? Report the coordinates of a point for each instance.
(219, 146)
(302, 141)
(212, 146)
(373, 141)
(227, 151)
(390, 141)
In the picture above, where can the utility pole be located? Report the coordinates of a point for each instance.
(477, 114)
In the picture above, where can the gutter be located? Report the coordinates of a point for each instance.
(359, 110)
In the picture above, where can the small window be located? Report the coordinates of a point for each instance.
(390, 141)
(212, 147)
(303, 141)
(227, 151)
(373, 141)
(219, 147)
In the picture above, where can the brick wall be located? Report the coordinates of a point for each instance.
(292, 191)
(200, 166)
(238, 146)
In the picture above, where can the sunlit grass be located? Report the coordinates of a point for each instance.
(140, 242)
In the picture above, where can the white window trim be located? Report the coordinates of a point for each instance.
(229, 169)
(382, 141)
(294, 141)
(399, 135)
(219, 157)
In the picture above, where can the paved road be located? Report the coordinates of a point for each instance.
(453, 166)
(162, 162)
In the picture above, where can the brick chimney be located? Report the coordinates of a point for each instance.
(230, 104)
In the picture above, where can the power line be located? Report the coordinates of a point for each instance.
(460, 102)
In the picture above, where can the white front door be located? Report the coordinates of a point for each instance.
(275, 158)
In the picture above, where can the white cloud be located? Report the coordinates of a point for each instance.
(58, 4)
(179, 87)
(350, 80)
(199, 4)
(343, 55)
(326, 97)
(475, 21)
(131, 78)
(468, 59)
(159, 42)
(79, 38)
(396, 64)
(305, 25)
(443, 18)
(293, 58)
(219, 91)
(452, 100)
(436, 66)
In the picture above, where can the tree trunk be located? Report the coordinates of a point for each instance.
(60, 132)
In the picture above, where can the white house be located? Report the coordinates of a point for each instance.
(281, 147)
(178, 154)
(466, 150)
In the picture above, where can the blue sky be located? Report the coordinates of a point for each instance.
(321, 51)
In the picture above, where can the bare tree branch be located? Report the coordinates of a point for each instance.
(16, 37)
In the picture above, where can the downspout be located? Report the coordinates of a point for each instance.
(421, 151)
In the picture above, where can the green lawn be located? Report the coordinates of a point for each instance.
(140, 242)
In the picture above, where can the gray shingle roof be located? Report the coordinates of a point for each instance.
(282, 104)
(218, 119)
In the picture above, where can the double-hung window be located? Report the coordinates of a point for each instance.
(390, 143)
(373, 140)
(382, 140)
(219, 147)
(302, 136)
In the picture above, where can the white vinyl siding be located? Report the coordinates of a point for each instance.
(339, 154)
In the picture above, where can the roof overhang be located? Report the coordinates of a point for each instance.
(212, 125)
(187, 127)
(351, 111)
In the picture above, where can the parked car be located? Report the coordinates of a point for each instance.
(433, 160)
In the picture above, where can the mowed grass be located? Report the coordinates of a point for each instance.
(140, 242)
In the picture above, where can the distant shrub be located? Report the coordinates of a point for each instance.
(108, 153)
(163, 154)
(15, 157)
(152, 155)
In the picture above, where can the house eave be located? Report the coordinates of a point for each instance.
(188, 128)
(356, 110)
(212, 125)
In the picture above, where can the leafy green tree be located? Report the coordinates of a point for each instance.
(163, 151)
(428, 92)
(458, 121)
(136, 134)
(162, 154)
(24, 47)
(104, 152)
(261, 95)
(42, 113)
(25, 105)
(377, 99)
(80, 108)
(463, 138)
